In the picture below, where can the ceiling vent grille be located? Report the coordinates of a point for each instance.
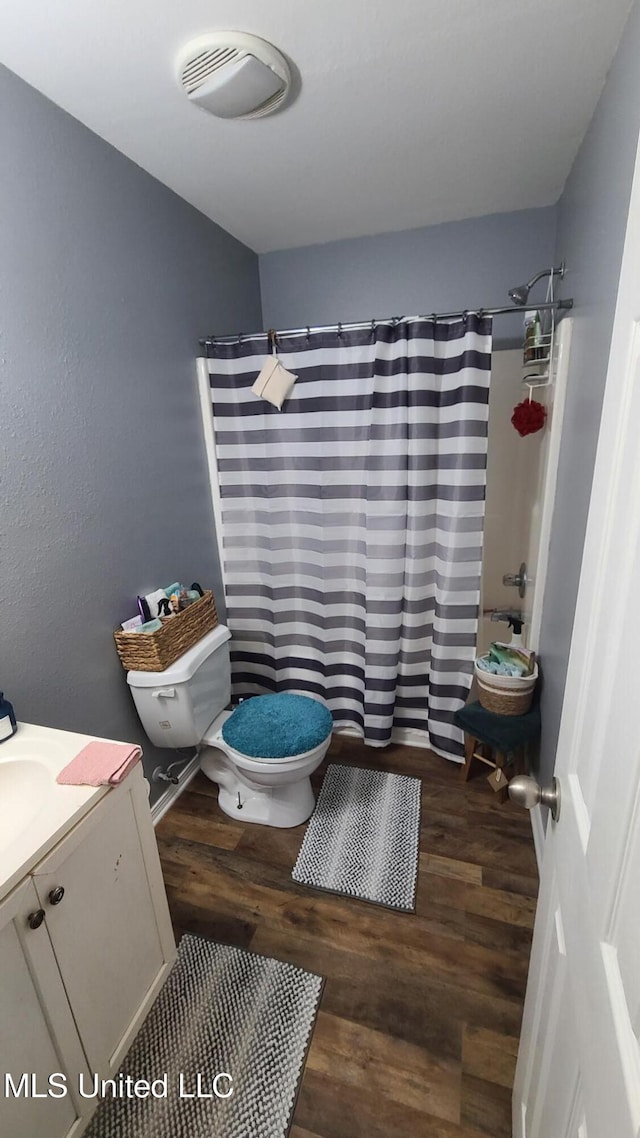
(199, 69)
(234, 75)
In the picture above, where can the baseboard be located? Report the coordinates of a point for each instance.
(537, 827)
(403, 735)
(166, 800)
(406, 736)
(519, 1115)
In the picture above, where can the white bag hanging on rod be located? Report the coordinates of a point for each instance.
(274, 382)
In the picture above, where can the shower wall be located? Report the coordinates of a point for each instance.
(512, 480)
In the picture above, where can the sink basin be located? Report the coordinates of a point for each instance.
(24, 787)
(36, 811)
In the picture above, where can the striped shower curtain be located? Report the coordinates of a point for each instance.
(352, 521)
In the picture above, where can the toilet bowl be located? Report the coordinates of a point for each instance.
(186, 705)
(272, 792)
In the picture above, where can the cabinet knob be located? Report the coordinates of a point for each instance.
(34, 920)
(56, 895)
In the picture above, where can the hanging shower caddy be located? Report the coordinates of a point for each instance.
(538, 348)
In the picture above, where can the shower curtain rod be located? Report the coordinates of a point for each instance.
(558, 305)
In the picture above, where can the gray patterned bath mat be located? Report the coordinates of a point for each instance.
(363, 837)
(221, 1010)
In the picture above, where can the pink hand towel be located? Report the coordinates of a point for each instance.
(100, 764)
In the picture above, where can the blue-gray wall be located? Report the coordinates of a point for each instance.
(592, 219)
(463, 264)
(107, 279)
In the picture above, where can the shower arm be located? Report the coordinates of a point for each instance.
(559, 272)
(520, 293)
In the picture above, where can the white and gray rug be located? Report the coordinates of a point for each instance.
(363, 837)
(221, 1010)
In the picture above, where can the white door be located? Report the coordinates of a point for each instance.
(578, 1072)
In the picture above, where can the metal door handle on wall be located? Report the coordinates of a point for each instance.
(518, 580)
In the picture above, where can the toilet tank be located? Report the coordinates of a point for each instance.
(176, 706)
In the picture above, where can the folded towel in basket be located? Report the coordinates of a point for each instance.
(100, 764)
(486, 665)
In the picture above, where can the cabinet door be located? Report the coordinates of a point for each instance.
(34, 1041)
(110, 929)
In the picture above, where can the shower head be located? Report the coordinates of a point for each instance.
(520, 294)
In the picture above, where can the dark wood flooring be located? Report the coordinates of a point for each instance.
(418, 1027)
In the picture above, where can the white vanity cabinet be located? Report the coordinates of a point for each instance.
(37, 1032)
(75, 988)
(107, 918)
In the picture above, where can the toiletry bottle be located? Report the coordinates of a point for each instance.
(8, 725)
(538, 351)
(516, 633)
(529, 337)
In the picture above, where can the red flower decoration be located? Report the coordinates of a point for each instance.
(529, 417)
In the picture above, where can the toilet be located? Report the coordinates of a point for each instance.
(186, 706)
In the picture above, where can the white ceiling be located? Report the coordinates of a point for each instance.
(410, 112)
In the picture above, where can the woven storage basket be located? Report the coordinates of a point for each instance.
(506, 695)
(155, 651)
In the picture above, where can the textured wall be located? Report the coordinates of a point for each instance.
(107, 280)
(592, 219)
(460, 265)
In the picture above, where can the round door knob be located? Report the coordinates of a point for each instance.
(56, 895)
(34, 920)
(527, 792)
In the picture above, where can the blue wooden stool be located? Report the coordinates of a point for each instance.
(496, 740)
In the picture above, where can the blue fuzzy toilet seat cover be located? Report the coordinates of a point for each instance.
(277, 726)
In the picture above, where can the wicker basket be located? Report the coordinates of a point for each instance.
(155, 651)
(506, 695)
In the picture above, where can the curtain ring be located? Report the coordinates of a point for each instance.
(308, 333)
(373, 329)
(339, 330)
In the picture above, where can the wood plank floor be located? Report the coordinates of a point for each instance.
(418, 1027)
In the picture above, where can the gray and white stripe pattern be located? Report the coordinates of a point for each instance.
(352, 521)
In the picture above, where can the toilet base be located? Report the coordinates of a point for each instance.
(269, 794)
(280, 806)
